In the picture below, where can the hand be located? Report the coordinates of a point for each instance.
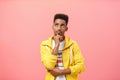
(57, 39)
(55, 72)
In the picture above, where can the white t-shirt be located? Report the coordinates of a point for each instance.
(60, 62)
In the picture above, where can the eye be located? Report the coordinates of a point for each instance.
(63, 25)
(56, 24)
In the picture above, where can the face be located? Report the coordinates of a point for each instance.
(59, 27)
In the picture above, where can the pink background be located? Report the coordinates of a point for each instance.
(94, 24)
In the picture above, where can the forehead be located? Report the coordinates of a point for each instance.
(60, 21)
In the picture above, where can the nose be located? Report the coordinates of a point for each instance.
(59, 27)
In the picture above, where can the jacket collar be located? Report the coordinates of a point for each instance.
(68, 42)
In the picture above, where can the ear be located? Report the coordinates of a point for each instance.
(66, 28)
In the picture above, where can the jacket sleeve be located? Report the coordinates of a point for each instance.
(48, 60)
(78, 65)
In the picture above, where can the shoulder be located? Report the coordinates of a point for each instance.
(74, 43)
(71, 43)
(44, 42)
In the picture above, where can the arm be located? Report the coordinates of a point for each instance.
(48, 57)
(48, 60)
(56, 72)
(75, 68)
(78, 65)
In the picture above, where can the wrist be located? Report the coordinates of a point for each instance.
(55, 51)
(57, 45)
(64, 72)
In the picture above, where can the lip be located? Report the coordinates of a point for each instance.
(59, 32)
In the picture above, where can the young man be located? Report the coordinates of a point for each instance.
(60, 55)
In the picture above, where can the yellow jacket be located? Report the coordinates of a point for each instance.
(71, 55)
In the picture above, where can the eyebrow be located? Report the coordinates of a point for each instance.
(56, 23)
(62, 24)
